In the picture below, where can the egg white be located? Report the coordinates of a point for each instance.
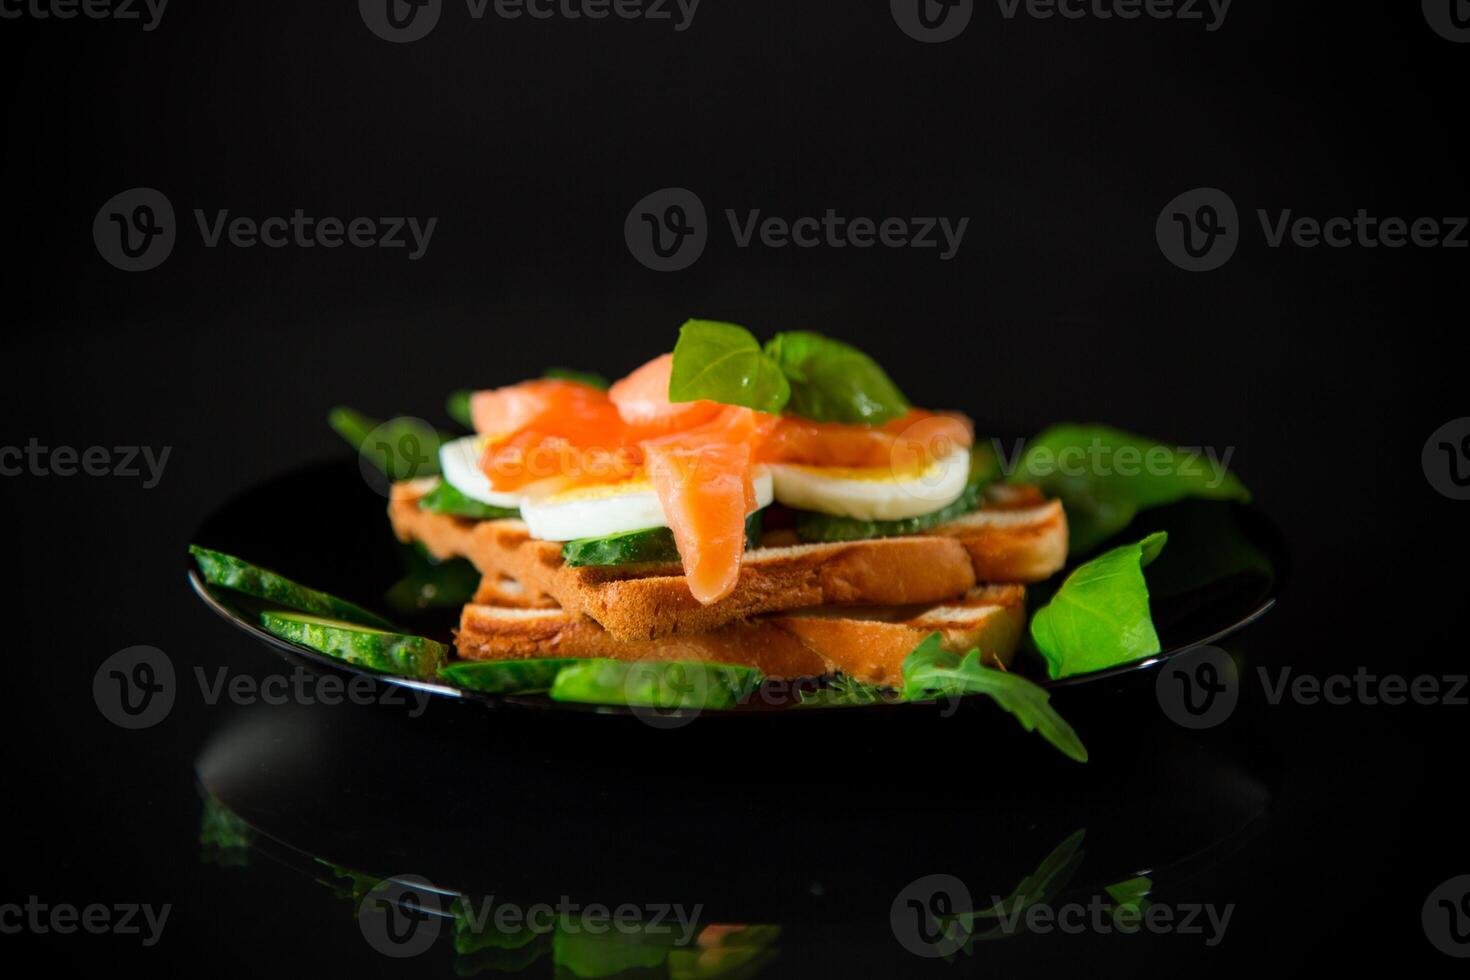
(873, 495)
(459, 464)
(612, 508)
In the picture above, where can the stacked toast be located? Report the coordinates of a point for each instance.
(797, 610)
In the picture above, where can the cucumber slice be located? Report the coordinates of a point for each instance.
(985, 469)
(447, 499)
(230, 572)
(672, 684)
(654, 544)
(390, 653)
(812, 527)
(504, 676)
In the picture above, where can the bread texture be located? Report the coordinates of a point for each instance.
(1017, 537)
(868, 644)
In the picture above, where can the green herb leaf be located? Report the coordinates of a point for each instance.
(930, 671)
(834, 382)
(458, 407)
(722, 362)
(589, 378)
(1105, 476)
(1131, 895)
(403, 448)
(664, 685)
(448, 499)
(431, 583)
(844, 692)
(1099, 618)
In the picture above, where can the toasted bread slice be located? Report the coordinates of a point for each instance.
(1017, 537)
(868, 644)
(871, 644)
(499, 633)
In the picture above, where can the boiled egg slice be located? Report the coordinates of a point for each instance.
(878, 494)
(597, 510)
(459, 464)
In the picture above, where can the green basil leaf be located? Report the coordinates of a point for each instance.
(1105, 476)
(458, 407)
(721, 362)
(1099, 617)
(834, 382)
(930, 671)
(589, 378)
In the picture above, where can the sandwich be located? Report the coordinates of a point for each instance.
(781, 507)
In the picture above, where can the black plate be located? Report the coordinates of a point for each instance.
(326, 526)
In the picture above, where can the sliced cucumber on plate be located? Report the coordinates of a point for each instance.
(230, 572)
(380, 650)
(504, 676)
(667, 685)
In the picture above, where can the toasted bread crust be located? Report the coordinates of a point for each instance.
(873, 650)
(486, 634)
(1016, 540)
(863, 643)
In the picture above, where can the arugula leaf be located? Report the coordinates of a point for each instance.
(403, 448)
(834, 382)
(665, 685)
(842, 691)
(458, 407)
(1099, 618)
(931, 671)
(721, 362)
(1037, 888)
(1105, 476)
(589, 378)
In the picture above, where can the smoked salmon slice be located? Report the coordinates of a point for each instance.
(705, 491)
(916, 438)
(698, 455)
(642, 399)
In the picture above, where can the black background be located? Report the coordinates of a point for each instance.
(1325, 369)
